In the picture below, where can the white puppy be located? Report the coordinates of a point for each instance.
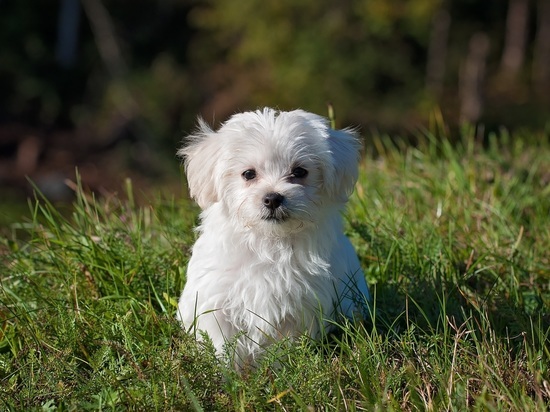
(271, 260)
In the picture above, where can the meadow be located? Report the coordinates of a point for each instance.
(454, 240)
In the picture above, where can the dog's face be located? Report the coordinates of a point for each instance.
(273, 172)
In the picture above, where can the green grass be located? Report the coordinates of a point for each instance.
(454, 241)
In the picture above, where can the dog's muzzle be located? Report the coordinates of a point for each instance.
(274, 208)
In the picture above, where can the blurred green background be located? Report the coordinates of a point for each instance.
(112, 86)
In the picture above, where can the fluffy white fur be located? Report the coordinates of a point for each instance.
(271, 259)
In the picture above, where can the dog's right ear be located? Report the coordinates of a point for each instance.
(200, 154)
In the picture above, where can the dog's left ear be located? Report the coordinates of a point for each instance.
(342, 176)
(341, 163)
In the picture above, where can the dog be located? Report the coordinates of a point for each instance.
(271, 260)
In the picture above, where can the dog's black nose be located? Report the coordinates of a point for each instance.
(273, 200)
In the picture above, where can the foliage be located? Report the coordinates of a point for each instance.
(311, 52)
(180, 58)
(454, 243)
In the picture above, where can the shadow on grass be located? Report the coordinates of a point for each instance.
(430, 287)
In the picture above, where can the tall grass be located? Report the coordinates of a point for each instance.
(454, 241)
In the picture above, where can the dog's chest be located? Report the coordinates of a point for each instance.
(282, 293)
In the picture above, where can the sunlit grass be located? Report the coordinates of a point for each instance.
(454, 241)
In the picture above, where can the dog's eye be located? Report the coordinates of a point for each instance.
(249, 174)
(299, 172)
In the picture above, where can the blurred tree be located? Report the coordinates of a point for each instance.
(437, 52)
(472, 79)
(541, 63)
(68, 26)
(515, 40)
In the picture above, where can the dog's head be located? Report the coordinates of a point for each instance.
(275, 172)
